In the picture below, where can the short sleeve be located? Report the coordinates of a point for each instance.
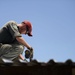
(13, 29)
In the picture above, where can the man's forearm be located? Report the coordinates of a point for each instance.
(22, 41)
(20, 56)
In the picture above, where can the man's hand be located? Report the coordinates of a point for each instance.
(31, 52)
(31, 49)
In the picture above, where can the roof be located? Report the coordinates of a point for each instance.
(37, 68)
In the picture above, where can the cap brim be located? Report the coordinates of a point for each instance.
(30, 34)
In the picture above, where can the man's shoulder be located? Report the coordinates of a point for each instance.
(12, 21)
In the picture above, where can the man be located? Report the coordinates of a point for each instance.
(11, 41)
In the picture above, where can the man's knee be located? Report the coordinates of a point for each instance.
(21, 48)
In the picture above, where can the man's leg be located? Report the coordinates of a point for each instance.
(11, 51)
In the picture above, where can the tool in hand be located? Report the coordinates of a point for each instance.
(29, 54)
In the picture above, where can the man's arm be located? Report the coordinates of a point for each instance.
(22, 41)
(21, 57)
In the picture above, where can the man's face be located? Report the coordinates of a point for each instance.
(24, 30)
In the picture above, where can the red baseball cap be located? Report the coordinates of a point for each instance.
(29, 26)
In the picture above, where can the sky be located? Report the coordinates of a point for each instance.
(53, 24)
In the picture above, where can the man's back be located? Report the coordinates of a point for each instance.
(9, 32)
